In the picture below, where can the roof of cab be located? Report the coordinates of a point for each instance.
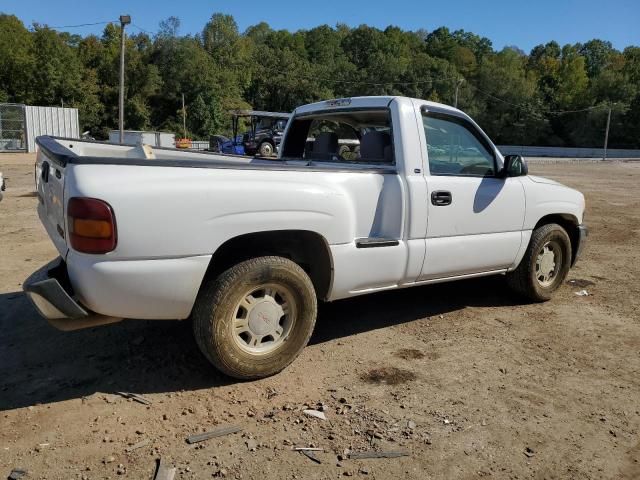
(367, 102)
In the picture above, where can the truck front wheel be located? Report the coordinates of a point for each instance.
(255, 318)
(545, 264)
(266, 149)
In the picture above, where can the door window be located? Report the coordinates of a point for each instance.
(455, 147)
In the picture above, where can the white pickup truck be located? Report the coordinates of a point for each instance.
(247, 247)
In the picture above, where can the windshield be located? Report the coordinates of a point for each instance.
(268, 123)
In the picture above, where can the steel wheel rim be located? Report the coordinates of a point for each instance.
(548, 263)
(266, 149)
(264, 318)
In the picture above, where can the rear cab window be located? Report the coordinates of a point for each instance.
(345, 137)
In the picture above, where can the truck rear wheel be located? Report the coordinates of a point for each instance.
(545, 264)
(255, 318)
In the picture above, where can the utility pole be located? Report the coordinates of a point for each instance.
(606, 135)
(184, 119)
(124, 20)
(457, 88)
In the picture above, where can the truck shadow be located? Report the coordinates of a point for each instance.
(42, 365)
(370, 312)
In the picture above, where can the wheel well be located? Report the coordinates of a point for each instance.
(569, 223)
(308, 249)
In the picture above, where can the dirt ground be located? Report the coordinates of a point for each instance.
(466, 378)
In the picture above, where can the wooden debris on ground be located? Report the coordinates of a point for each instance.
(315, 413)
(138, 445)
(218, 432)
(135, 397)
(310, 455)
(164, 472)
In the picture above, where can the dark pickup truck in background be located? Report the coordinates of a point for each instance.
(262, 139)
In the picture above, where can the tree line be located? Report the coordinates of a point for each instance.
(554, 95)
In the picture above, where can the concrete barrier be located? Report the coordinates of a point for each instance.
(567, 152)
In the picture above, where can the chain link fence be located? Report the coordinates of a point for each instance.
(12, 128)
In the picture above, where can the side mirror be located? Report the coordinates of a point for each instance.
(514, 166)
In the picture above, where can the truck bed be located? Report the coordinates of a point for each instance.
(74, 151)
(65, 151)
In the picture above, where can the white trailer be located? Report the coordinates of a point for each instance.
(141, 137)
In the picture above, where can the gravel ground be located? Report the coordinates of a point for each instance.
(464, 377)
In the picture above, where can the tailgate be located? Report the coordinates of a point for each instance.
(49, 178)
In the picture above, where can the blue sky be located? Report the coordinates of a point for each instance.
(505, 22)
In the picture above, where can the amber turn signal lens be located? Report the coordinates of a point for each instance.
(92, 228)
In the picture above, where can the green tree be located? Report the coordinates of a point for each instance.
(517, 98)
(596, 54)
(17, 60)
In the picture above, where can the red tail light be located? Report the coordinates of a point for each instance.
(92, 225)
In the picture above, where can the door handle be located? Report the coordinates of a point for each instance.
(440, 198)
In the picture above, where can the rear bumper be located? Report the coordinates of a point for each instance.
(583, 233)
(148, 289)
(50, 292)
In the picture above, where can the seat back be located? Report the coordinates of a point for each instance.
(375, 147)
(325, 146)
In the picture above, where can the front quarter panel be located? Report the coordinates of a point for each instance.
(543, 199)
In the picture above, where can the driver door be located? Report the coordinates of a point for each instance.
(475, 217)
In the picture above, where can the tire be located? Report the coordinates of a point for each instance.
(266, 149)
(224, 307)
(529, 278)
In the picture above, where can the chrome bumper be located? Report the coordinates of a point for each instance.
(583, 233)
(50, 292)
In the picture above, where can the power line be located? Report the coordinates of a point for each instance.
(526, 107)
(375, 84)
(83, 24)
(99, 23)
(523, 107)
(143, 30)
